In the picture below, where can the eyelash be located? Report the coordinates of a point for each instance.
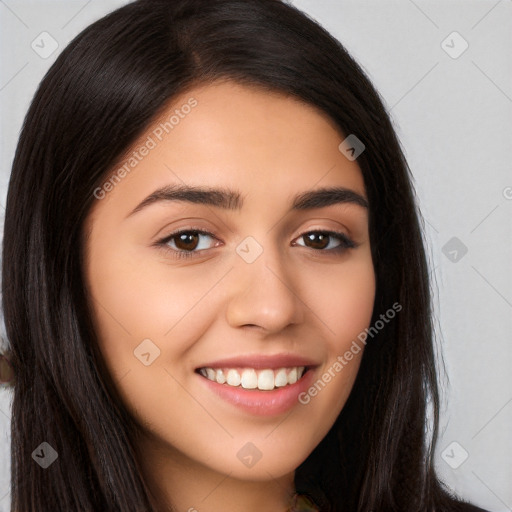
(346, 242)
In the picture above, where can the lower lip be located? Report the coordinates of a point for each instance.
(262, 403)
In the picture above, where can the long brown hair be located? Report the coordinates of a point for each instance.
(101, 93)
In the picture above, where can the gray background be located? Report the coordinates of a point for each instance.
(453, 117)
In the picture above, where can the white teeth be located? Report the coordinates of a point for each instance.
(266, 380)
(280, 378)
(249, 378)
(220, 377)
(233, 378)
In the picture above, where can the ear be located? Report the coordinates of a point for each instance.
(6, 370)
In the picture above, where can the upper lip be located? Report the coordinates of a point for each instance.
(261, 361)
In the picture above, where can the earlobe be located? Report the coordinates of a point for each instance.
(6, 370)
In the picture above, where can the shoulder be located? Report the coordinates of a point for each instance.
(468, 507)
(456, 504)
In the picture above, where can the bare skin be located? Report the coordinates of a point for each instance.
(298, 297)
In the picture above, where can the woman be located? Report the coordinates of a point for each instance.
(214, 280)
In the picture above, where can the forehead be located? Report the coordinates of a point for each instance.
(237, 136)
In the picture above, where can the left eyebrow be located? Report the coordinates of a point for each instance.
(323, 197)
(232, 200)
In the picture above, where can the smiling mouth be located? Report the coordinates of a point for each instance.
(250, 378)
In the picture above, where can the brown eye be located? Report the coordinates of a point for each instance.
(325, 241)
(317, 240)
(186, 241)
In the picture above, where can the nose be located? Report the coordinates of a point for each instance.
(265, 294)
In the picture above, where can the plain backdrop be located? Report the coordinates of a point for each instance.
(444, 71)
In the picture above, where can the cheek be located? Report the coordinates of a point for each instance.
(342, 299)
(135, 299)
(133, 295)
(142, 308)
(345, 308)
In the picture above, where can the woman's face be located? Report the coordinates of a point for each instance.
(260, 295)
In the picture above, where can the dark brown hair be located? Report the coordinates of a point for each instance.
(102, 92)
